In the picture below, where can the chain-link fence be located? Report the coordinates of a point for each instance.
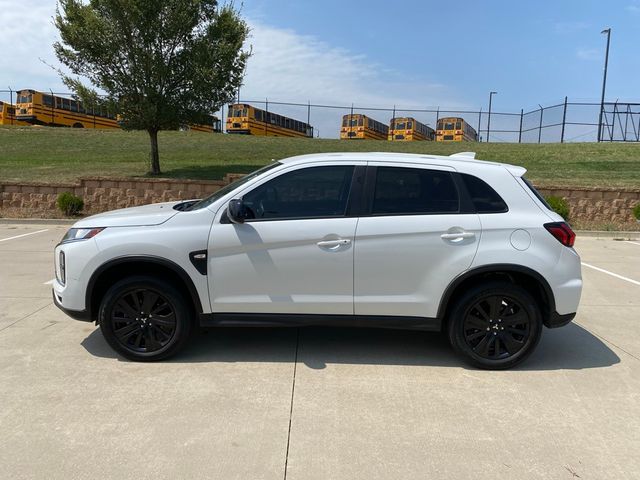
(564, 122)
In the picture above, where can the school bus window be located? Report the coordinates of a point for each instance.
(458, 125)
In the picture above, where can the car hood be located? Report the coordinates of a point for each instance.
(153, 214)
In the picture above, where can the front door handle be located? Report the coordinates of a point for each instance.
(333, 244)
(457, 236)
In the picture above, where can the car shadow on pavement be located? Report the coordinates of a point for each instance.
(570, 347)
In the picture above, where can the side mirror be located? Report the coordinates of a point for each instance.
(236, 211)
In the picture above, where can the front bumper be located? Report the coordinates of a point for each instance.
(82, 315)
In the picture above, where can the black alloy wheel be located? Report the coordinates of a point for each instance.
(495, 326)
(145, 319)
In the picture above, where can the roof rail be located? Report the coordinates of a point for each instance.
(467, 155)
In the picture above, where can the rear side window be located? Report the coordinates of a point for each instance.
(414, 191)
(536, 193)
(485, 199)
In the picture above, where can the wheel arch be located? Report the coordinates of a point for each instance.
(526, 277)
(115, 269)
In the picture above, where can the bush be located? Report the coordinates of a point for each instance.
(559, 205)
(70, 204)
(636, 212)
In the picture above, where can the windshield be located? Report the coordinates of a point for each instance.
(205, 202)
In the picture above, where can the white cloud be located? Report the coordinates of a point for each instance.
(286, 66)
(289, 67)
(570, 27)
(28, 35)
(589, 53)
(634, 7)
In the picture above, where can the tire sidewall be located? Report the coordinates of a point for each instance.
(184, 321)
(468, 300)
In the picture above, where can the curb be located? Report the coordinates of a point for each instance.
(36, 221)
(623, 235)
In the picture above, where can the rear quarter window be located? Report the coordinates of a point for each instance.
(485, 199)
(536, 193)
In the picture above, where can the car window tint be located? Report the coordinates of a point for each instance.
(307, 193)
(484, 198)
(414, 191)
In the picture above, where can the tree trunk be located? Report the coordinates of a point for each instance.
(154, 156)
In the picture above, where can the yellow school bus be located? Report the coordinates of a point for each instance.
(245, 119)
(455, 129)
(213, 125)
(407, 129)
(8, 115)
(38, 108)
(360, 126)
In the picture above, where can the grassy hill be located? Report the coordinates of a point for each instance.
(57, 154)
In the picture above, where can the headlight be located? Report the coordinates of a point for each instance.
(75, 234)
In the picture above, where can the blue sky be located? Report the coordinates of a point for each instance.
(530, 52)
(380, 54)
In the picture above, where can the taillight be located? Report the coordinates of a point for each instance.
(562, 232)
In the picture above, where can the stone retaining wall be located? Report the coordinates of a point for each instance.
(102, 194)
(606, 205)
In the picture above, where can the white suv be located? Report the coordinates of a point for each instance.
(369, 239)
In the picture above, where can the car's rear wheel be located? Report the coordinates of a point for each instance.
(145, 319)
(495, 326)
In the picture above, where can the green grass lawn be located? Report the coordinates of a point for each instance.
(60, 155)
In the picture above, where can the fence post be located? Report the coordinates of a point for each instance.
(53, 104)
(349, 134)
(520, 131)
(437, 116)
(309, 114)
(564, 120)
(479, 123)
(540, 126)
(222, 118)
(393, 118)
(11, 105)
(266, 116)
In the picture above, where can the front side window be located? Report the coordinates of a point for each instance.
(205, 202)
(313, 192)
(414, 191)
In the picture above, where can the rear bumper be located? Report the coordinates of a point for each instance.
(82, 315)
(556, 320)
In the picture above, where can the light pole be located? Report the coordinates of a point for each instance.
(604, 81)
(491, 94)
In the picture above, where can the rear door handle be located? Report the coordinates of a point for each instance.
(456, 236)
(333, 243)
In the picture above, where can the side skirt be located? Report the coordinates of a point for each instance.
(308, 320)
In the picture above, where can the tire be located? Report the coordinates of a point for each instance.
(163, 328)
(495, 326)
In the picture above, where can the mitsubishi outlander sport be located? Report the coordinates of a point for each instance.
(386, 240)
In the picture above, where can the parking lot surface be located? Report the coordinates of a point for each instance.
(316, 403)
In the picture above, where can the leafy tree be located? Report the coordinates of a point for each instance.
(165, 63)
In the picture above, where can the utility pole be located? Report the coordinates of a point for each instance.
(604, 81)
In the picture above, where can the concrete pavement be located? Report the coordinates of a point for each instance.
(327, 403)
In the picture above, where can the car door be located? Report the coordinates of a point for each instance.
(296, 255)
(413, 241)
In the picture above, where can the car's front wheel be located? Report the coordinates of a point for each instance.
(495, 326)
(145, 319)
